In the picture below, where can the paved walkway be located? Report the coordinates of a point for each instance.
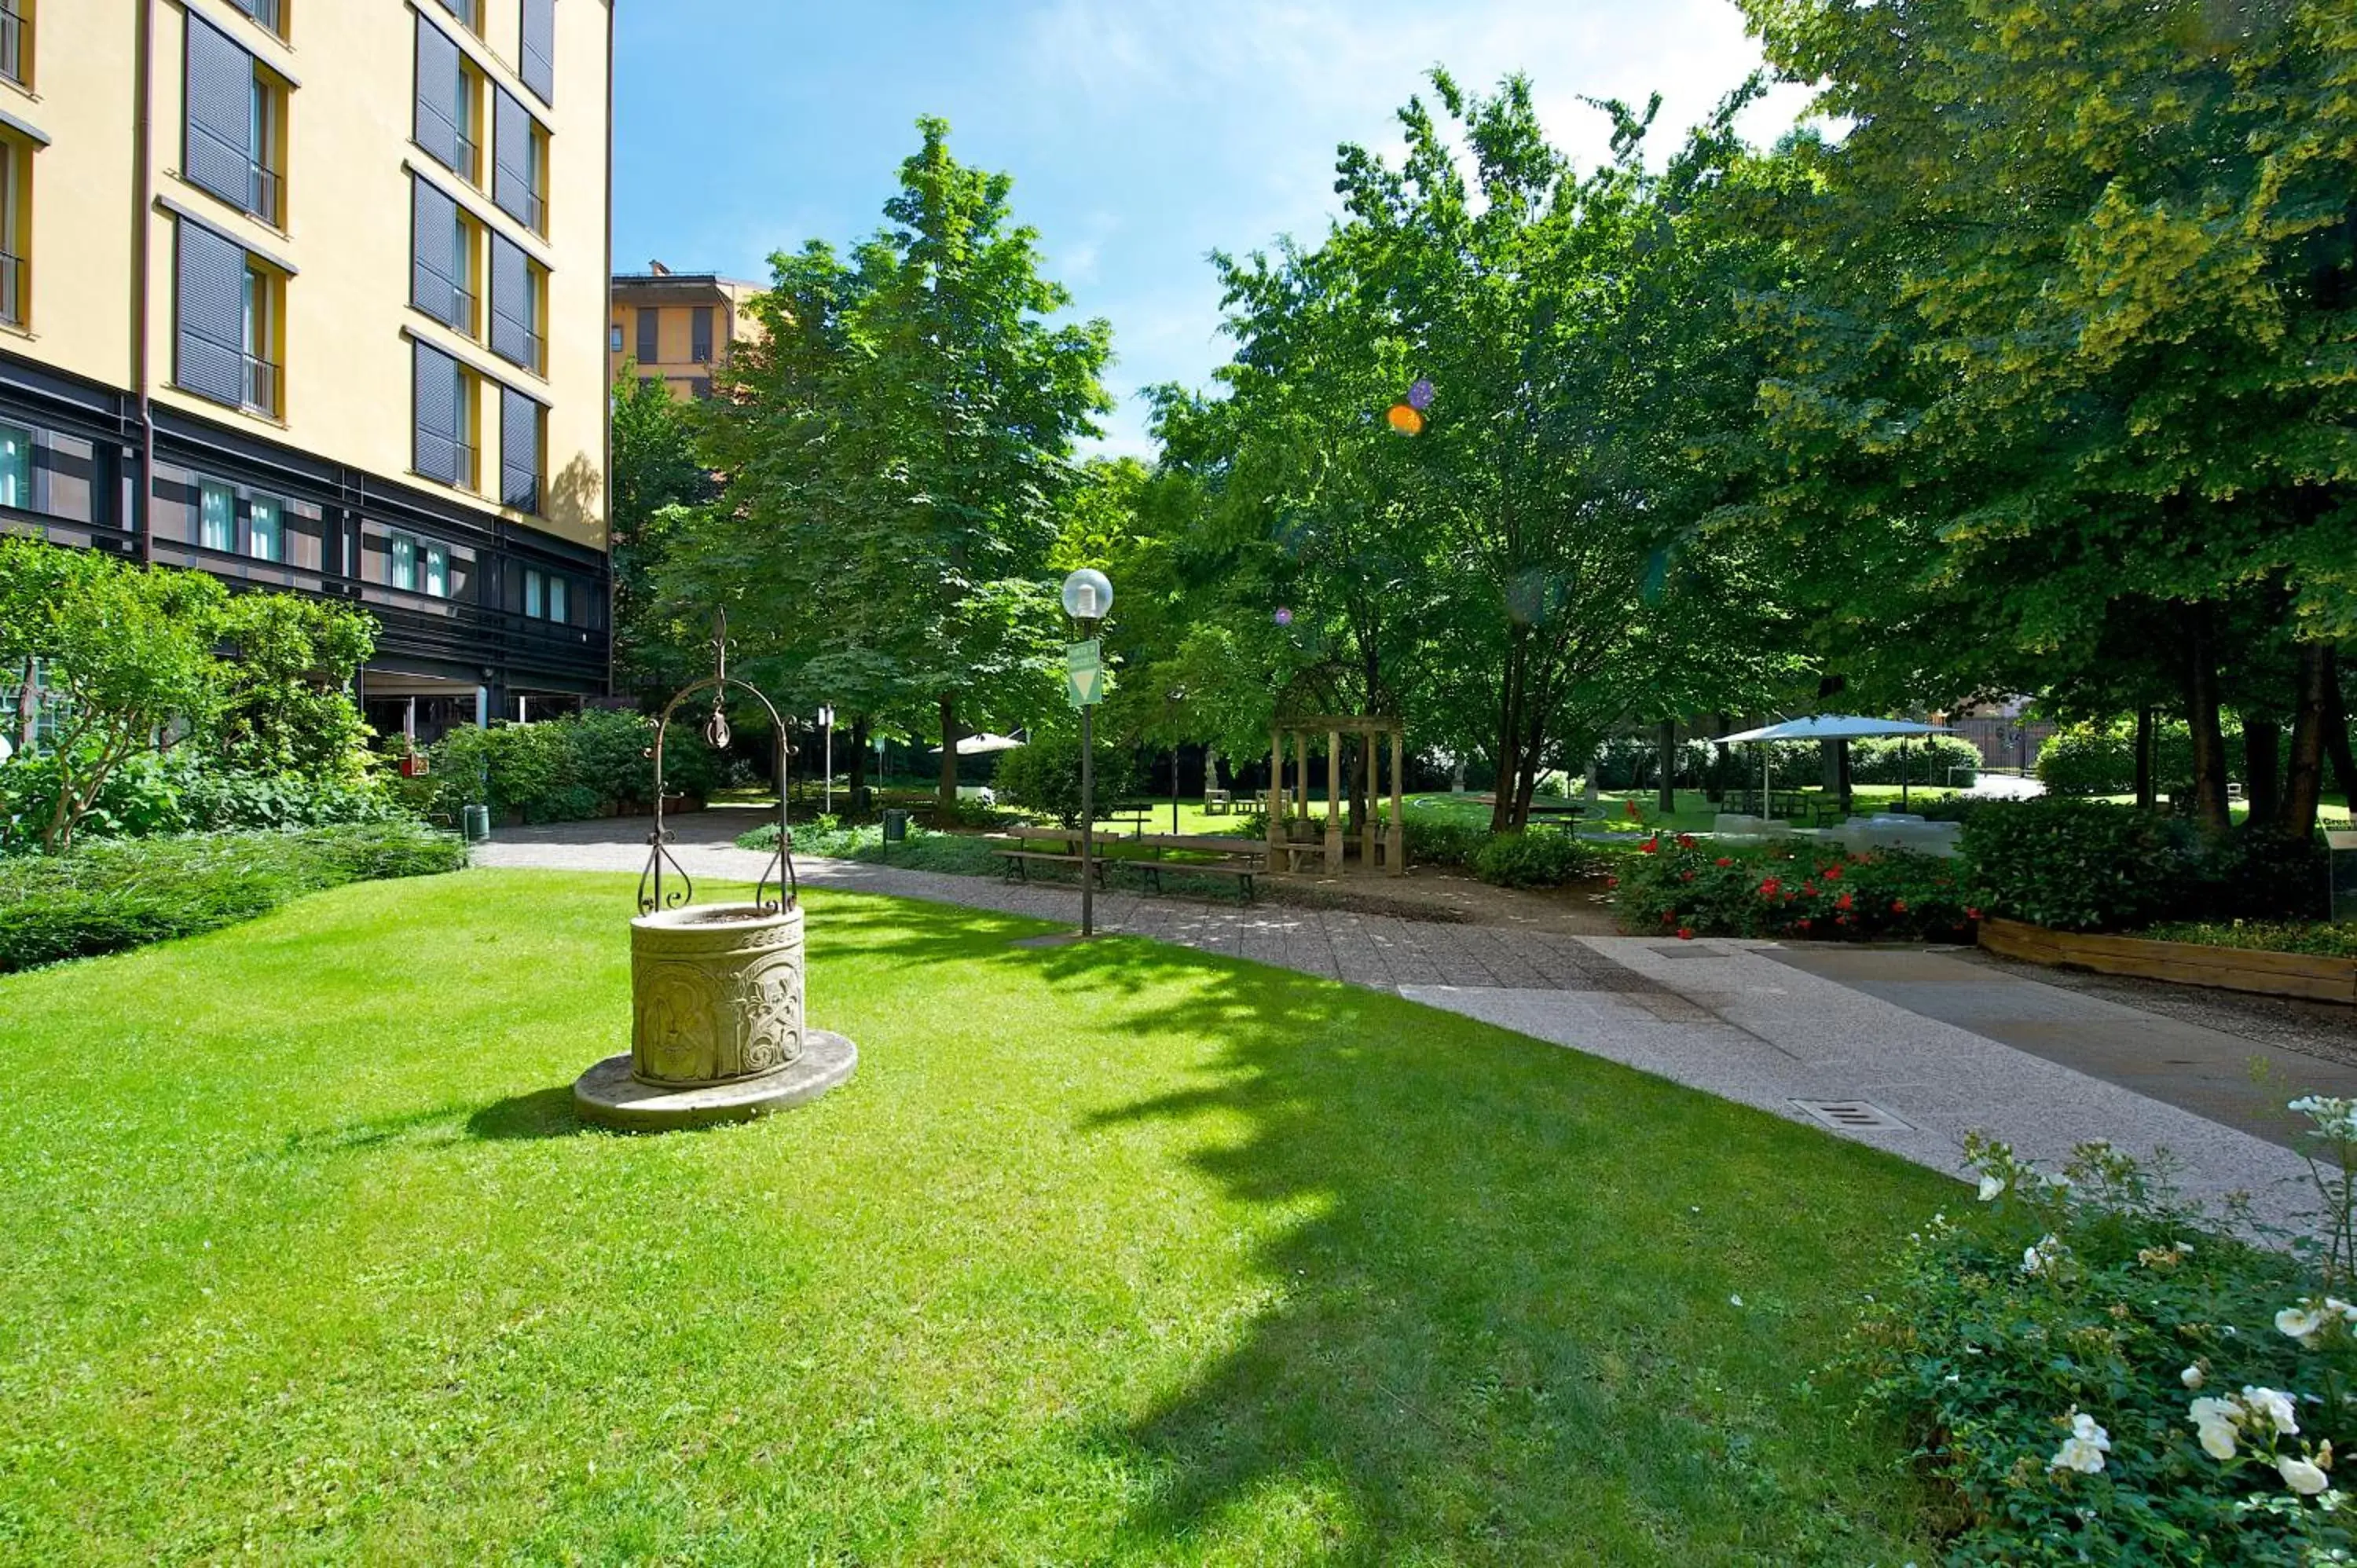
(1923, 1048)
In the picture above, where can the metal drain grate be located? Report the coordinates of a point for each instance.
(1854, 1116)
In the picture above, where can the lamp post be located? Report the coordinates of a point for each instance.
(826, 720)
(1175, 697)
(1088, 599)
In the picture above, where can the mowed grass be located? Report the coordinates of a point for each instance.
(1116, 1253)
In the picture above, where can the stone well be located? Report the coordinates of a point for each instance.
(716, 1030)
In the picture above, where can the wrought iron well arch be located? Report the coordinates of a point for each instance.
(781, 868)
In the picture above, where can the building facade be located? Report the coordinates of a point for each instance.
(675, 326)
(301, 293)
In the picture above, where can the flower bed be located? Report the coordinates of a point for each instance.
(1685, 887)
(2096, 1373)
(2231, 968)
(2316, 940)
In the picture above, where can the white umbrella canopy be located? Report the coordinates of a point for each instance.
(1833, 727)
(984, 745)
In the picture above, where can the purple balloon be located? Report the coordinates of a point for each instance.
(1419, 396)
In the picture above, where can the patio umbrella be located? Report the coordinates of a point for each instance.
(984, 745)
(1833, 727)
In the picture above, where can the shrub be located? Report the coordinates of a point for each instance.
(1687, 886)
(186, 791)
(105, 896)
(2100, 759)
(565, 769)
(1045, 774)
(1541, 858)
(1429, 842)
(1927, 760)
(2076, 866)
(2317, 940)
(2096, 1373)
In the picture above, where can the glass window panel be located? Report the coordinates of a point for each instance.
(218, 508)
(16, 466)
(72, 464)
(405, 562)
(437, 571)
(261, 530)
(556, 600)
(531, 593)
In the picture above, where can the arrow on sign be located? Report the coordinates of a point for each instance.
(1083, 687)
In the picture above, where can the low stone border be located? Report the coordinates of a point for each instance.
(2303, 975)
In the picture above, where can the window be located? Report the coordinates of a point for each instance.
(538, 36)
(216, 516)
(265, 540)
(445, 395)
(520, 422)
(649, 335)
(16, 213)
(233, 142)
(449, 95)
(401, 568)
(230, 306)
(535, 601)
(519, 162)
(271, 14)
(260, 342)
(467, 11)
(614, 343)
(556, 598)
(442, 261)
(517, 282)
(700, 336)
(16, 467)
(16, 41)
(437, 571)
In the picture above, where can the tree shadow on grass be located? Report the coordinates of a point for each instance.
(1500, 1332)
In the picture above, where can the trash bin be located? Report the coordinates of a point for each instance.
(478, 824)
(896, 825)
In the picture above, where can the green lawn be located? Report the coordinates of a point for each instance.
(1116, 1253)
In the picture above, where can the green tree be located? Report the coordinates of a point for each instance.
(128, 652)
(896, 450)
(2066, 374)
(657, 473)
(285, 704)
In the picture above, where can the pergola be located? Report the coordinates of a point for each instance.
(1333, 726)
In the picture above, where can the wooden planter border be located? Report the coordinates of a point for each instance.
(2186, 963)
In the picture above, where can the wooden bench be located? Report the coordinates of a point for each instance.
(1242, 859)
(1011, 844)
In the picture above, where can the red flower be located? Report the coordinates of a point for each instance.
(1898, 905)
(1671, 919)
(1686, 933)
(1611, 882)
(1841, 919)
(1769, 888)
(1803, 922)
(1808, 890)
(1843, 902)
(1630, 809)
(1686, 876)
(1649, 845)
(1972, 914)
(1685, 840)
(1833, 874)
(1722, 860)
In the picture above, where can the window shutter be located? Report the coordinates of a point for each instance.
(434, 240)
(540, 49)
(650, 323)
(211, 360)
(512, 156)
(519, 451)
(510, 301)
(437, 126)
(220, 115)
(700, 336)
(438, 413)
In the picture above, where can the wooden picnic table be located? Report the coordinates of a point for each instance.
(1147, 854)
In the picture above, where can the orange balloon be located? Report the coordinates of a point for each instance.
(1406, 420)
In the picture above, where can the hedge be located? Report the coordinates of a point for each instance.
(111, 894)
(567, 769)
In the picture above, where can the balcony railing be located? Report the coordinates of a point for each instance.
(535, 212)
(12, 290)
(260, 384)
(467, 153)
(464, 462)
(12, 41)
(269, 13)
(462, 308)
(265, 191)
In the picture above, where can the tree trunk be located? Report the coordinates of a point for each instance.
(28, 713)
(857, 774)
(2336, 732)
(2147, 795)
(946, 789)
(1715, 785)
(2263, 769)
(2201, 717)
(1667, 797)
(2303, 783)
(1510, 736)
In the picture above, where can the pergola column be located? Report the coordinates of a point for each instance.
(1395, 841)
(1301, 774)
(1275, 795)
(1334, 802)
(1375, 793)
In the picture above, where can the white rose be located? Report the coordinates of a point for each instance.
(2077, 1454)
(2301, 1476)
(2272, 1406)
(2192, 1377)
(2217, 1440)
(1990, 1187)
(2300, 1323)
(2085, 1430)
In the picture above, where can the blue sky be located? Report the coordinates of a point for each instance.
(1141, 133)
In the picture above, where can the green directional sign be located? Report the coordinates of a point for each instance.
(1083, 674)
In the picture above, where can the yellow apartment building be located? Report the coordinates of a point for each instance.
(304, 294)
(674, 327)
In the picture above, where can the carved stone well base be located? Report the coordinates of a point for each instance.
(609, 1095)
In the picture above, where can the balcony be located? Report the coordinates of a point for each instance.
(261, 393)
(535, 212)
(265, 195)
(12, 290)
(12, 42)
